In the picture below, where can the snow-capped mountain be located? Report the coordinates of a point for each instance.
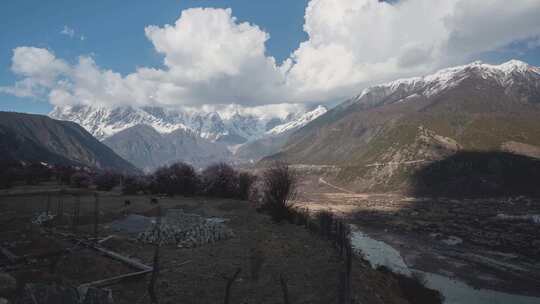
(510, 75)
(233, 129)
(274, 139)
(152, 136)
(103, 122)
(299, 122)
(383, 135)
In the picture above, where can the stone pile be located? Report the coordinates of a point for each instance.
(186, 230)
(42, 218)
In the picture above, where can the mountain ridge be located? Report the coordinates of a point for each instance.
(197, 138)
(232, 129)
(38, 138)
(148, 149)
(477, 106)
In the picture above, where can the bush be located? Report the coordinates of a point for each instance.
(34, 173)
(279, 187)
(245, 182)
(8, 173)
(220, 180)
(64, 173)
(106, 181)
(80, 180)
(179, 178)
(133, 184)
(6, 179)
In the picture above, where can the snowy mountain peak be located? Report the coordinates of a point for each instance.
(515, 65)
(231, 128)
(432, 84)
(299, 122)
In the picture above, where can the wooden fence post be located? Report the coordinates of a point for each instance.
(60, 209)
(155, 266)
(76, 213)
(96, 217)
(48, 208)
(284, 289)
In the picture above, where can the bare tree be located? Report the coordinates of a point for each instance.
(220, 180)
(279, 187)
(179, 178)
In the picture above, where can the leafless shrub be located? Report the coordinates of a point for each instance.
(105, 181)
(64, 173)
(220, 180)
(279, 187)
(179, 178)
(132, 185)
(8, 173)
(245, 182)
(34, 173)
(80, 180)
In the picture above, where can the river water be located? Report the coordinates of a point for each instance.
(379, 253)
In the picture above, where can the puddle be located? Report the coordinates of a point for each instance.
(379, 253)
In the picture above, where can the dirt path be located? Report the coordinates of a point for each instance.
(322, 181)
(409, 162)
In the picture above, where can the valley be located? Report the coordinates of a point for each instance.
(270, 152)
(490, 244)
(419, 190)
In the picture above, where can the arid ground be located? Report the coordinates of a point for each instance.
(490, 243)
(263, 250)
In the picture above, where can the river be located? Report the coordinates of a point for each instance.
(379, 253)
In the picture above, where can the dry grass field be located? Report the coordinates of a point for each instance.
(262, 249)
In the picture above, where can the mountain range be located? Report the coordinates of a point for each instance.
(380, 136)
(152, 136)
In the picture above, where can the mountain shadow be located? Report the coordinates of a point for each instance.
(478, 174)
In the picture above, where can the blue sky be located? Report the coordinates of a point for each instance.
(114, 32)
(327, 67)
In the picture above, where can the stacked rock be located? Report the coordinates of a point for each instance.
(42, 218)
(186, 230)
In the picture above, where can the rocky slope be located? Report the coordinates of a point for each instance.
(274, 139)
(148, 149)
(382, 134)
(37, 138)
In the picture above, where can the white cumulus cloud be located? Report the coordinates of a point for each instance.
(353, 43)
(211, 59)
